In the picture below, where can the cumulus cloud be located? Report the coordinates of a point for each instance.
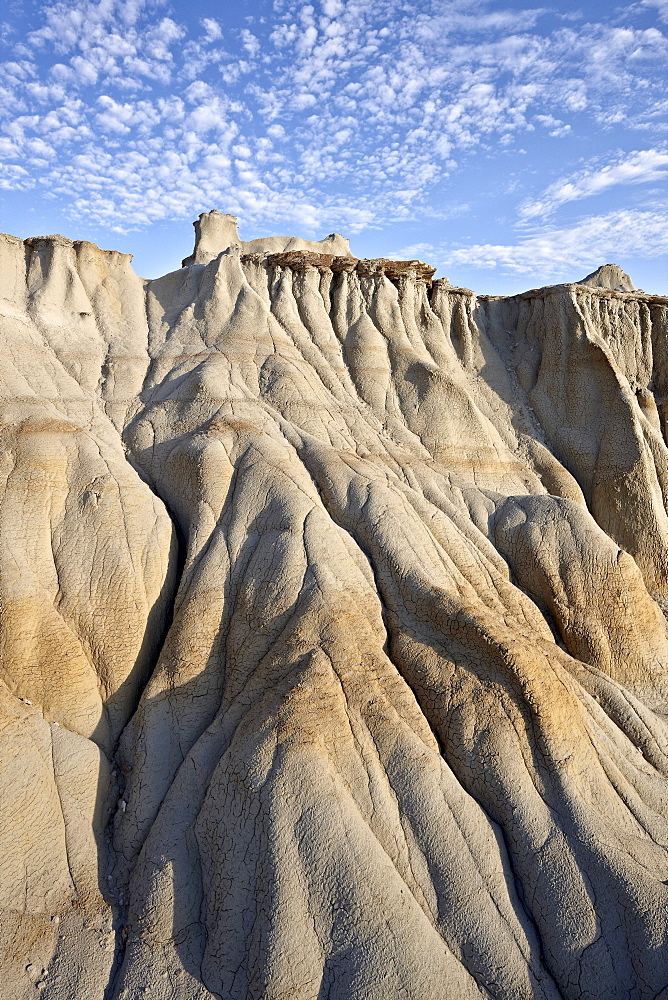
(212, 28)
(250, 43)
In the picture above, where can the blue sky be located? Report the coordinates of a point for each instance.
(511, 145)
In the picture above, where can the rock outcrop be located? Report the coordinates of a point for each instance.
(216, 232)
(332, 630)
(610, 276)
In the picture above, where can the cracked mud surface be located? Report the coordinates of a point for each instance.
(334, 662)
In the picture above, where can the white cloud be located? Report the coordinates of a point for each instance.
(250, 43)
(105, 42)
(555, 126)
(562, 252)
(67, 23)
(661, 7)
(208, 115)
(15, 178)
(463, 21)
(638, 167)
(341, 113)
(212, 28)
(159, 38)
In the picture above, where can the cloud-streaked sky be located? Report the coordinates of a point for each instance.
(509, 144)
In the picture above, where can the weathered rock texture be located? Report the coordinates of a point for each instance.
(215, 232)
(334, 662)
(609, 276)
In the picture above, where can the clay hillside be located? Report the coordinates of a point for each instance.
(333, 629)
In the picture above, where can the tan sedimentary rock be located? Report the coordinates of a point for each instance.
(333, 631)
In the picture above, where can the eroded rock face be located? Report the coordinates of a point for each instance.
(333, 653)
(216, 232)
(610, 276)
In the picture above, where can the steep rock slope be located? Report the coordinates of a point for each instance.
(333, 654)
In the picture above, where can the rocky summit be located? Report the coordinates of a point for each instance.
(332, 630)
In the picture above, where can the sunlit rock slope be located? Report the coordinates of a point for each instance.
(332, 630)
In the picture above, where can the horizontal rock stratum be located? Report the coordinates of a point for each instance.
(332, 629)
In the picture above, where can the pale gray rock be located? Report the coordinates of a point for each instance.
(333, 658)
(216, 232)
(609, 276)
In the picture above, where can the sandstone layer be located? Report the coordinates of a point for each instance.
(332, 630)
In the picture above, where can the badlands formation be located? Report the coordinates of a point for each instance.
(333, 630)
